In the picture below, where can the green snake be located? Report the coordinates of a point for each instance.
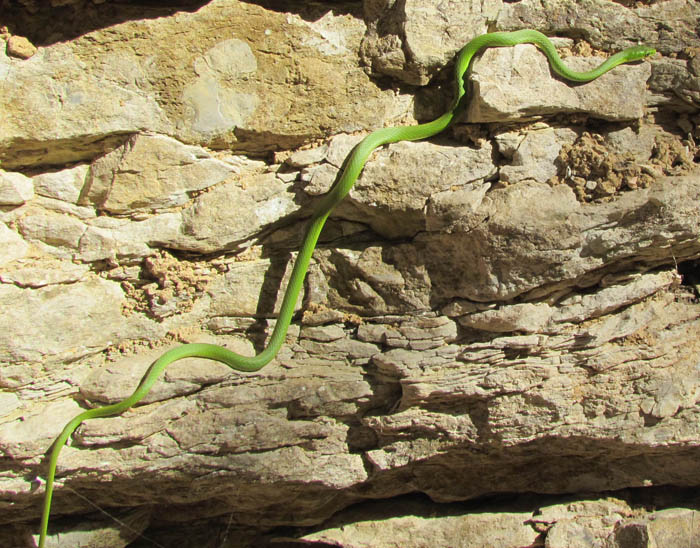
(353, 167)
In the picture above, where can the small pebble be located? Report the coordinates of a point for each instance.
(19, 46)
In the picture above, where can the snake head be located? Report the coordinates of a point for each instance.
(639, 52)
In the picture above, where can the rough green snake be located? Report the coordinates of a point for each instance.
(353, 167)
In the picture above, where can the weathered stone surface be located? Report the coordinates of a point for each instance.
(15, 189)
(150, 173)
(532, 156)
(65, 184)
(108, 238)
(53, 229)
(403, 192)
(23, 438)
(484, 529)
(80, 319)
(126, 528)
(77, 114)
(8, 403)
(251, 288)
(609, 26)
(615, 523)
(412, 41)
(234, 87)
(517, 83)
(39, 273)
(507, 308)
(472, 261)
(234, 212)
(12, 245)
(19, 46)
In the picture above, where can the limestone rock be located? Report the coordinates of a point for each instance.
(23, 437)
(19, 46)
(94, 305)
(39, 273)
(516, 83)
(403, 192)
(8, 403)
(484, 529)
(234, 212)
(15, 188)
(494, 321)
(12, 246)
(152, 173)
(251, 288)
(81, 115)
(108, 238)
(65, 184)
(100, 534)
(53, 229)
(406, 43)
(532, 156)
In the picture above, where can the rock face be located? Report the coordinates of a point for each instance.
(497, 342)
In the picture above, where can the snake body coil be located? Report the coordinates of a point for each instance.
(353, 167)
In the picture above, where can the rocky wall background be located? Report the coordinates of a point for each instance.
(497, 343)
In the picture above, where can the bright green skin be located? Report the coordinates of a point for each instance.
(353, 167)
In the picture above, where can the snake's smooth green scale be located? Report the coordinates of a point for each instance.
(353, 167)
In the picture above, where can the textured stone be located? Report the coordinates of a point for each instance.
(395, 190)
(52, 229)
(111, 238)
(33, 273)
(151, 173)
(213, 223)
(493, 321)
(78, 115)
(100, 534)
(19, 46)
(83, 318)
(15, 188)
(8, 403)
(498, 529)
(503, 92)
(251, 288)
(64, 184)
(303, 158)
(25, 436)
(412, 41)
(12, 246)
(532, 156)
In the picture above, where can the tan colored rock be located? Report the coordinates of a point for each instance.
(21, 47)
(94, 304)
(393, 179)
(475, 328)
(243, 289)
(22, 437)
(152, 173)
(108, 238)
(65, 185)
(532, 155)
(485, 529)
(15, 188)
(233, 212)
(12, 246)
(104, 533)
(403, 42)
(517, 83)
(34, 273)
(84, 113)
(53, 229)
